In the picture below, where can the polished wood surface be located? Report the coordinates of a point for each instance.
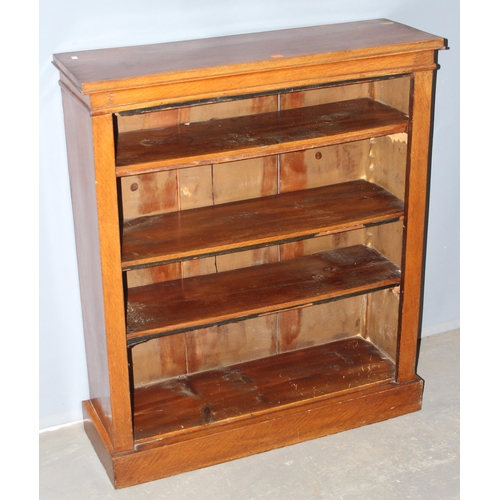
(78, 128)
(128, 78)
(122, 67)
(106, 199)
(242, 194)
(416, 220)
(260, 221)
(250, 136)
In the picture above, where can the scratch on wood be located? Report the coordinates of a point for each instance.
(207, 416)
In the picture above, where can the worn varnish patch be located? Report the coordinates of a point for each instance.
(252, 388)
(252, 135)
(201, 301)
(273, 219)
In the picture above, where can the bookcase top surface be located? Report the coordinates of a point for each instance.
(126, 67)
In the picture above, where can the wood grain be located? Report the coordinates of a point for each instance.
(256, 222)
(148, 65)
(249, 389)
(255, 135)
(341, 110)
(160, 458)
(78, 128)
(416, 225)
(201, 301)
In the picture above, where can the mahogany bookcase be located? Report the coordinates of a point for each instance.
(250, 217)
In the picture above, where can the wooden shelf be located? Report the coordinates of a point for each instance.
(252, 223)
(253, 389)
(255, 135)
(201, 301)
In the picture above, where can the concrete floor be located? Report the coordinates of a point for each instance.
(411, 457)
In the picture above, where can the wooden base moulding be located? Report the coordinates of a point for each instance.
(163, 458)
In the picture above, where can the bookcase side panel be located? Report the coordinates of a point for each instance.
(78, 129)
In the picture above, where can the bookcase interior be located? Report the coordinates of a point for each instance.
(379, 160)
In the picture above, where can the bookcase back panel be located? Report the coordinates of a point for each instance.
(168, 117)
(245, 179)
(226, 345)
(380, 160)
(324, 95)
(157, 274)
(195, 187)
(324, 166)
(394, 91)
(228, 109)
(382, 320)
(387, 239)
(158, 359)
(321, 323)
(206, 185)
(387, 164)
(149, 194)
(175, 116)
(274, 333)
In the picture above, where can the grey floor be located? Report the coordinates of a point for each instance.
(411, 457)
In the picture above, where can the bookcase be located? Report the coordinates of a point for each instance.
(250, 217)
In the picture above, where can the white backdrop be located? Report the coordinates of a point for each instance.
(67, 26)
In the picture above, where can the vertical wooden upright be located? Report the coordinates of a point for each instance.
(416, 201)
(250, 217)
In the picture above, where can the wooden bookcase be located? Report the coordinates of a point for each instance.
(250, 218)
